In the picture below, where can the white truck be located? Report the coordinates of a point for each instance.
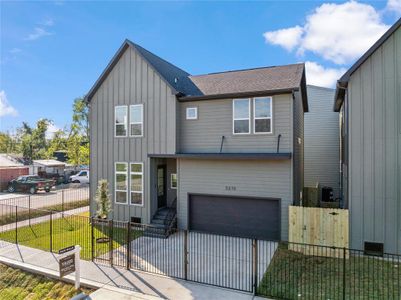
(81, 177)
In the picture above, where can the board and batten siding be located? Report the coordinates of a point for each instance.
(252, 178)
(322, 141)
(374, 93)
(131, 81)
(215, 119)
(298, 147)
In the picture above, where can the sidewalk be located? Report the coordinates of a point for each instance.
(112, 279)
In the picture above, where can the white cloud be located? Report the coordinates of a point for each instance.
(15, 50)
(37, 33)
(47, 22)
(287, 38)
(317, 74)
(337, 32)
(5, 108)
(394, 6)
(51, 130)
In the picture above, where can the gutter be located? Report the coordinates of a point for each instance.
(236, 95)
(341, 88)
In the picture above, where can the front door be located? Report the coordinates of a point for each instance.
(161, 186)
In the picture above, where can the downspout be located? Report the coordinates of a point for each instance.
(278, 143)
(222, 142)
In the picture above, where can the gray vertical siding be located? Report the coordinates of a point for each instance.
(374, 148)
(298, 147)
(131, 81)
(215, 119)
(251, 178)
(322, 141)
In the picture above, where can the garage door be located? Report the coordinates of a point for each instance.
(239, 216)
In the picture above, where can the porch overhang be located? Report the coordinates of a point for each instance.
(234, 156)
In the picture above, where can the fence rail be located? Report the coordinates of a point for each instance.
(266, 268)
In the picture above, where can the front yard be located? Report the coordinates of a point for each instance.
(18, 285)
(67, 231)
(292, 275)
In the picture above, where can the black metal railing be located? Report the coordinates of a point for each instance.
(272, 269)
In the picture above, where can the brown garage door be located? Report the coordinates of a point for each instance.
(239, 216)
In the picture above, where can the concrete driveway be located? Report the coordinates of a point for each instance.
(213, 259)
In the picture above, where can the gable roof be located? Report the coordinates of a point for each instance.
(266, 80)
(342, 83)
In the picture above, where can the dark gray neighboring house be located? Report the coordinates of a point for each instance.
(368, 97)
(322, 161)
(224, 151)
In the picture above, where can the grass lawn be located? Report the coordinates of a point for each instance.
(8, 216)
(19, 285)
(292, 275)
(67, 231)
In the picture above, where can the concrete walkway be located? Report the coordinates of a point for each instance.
(136, 284)
(76, 211)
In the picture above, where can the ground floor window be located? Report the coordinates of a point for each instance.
(121, 182)
(136, 174)
(173, 181)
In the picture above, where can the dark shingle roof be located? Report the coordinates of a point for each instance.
(251, 80)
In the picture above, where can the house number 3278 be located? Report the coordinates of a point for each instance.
(230, 188)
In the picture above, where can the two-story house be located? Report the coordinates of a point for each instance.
(223, 150)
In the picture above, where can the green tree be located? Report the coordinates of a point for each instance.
(103, 199)
(80, 118)
(8, 143)
(77, 150)
(58, 142)
(33, 144)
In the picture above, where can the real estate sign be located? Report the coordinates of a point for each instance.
(67, 265)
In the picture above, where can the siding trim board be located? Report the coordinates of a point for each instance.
(267, 156)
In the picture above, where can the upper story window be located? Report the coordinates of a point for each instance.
(192, 113)
(136, 120)
(241, 116)
(121, 114)
(262, 112)
(121, 183)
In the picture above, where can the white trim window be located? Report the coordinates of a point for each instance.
(121, 183)
(136, 120)
(263, 115)
(241, 116)
(120, 121)
(136, 174)
(173, 181)
(192, 113)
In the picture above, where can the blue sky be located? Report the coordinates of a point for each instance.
(52, 52)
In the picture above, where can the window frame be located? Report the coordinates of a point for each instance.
(264, 118)
(130, 187)
(196, 113)
(171, 181)
(115, 182)
(133, 123)
(249, 117)
(125, 123)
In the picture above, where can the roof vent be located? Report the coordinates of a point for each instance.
(175, 80)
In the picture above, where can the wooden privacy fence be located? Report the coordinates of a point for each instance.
(319, 226)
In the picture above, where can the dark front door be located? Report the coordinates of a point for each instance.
(161, 186)
(239, 216)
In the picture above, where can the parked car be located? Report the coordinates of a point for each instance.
(81, 177)
(30, 184)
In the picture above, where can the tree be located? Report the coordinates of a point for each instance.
(33, 140)
(77, 150)
(103, 199)
(80, 118)
(8, 143)
(58, 142)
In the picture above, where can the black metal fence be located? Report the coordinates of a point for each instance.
(56, 200)
(267, 268)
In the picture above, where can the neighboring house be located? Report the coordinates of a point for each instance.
(50, 166)
(224, 151)
(368, 97)
(322, 161)
(10, 168)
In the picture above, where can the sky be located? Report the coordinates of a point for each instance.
(53, 52)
